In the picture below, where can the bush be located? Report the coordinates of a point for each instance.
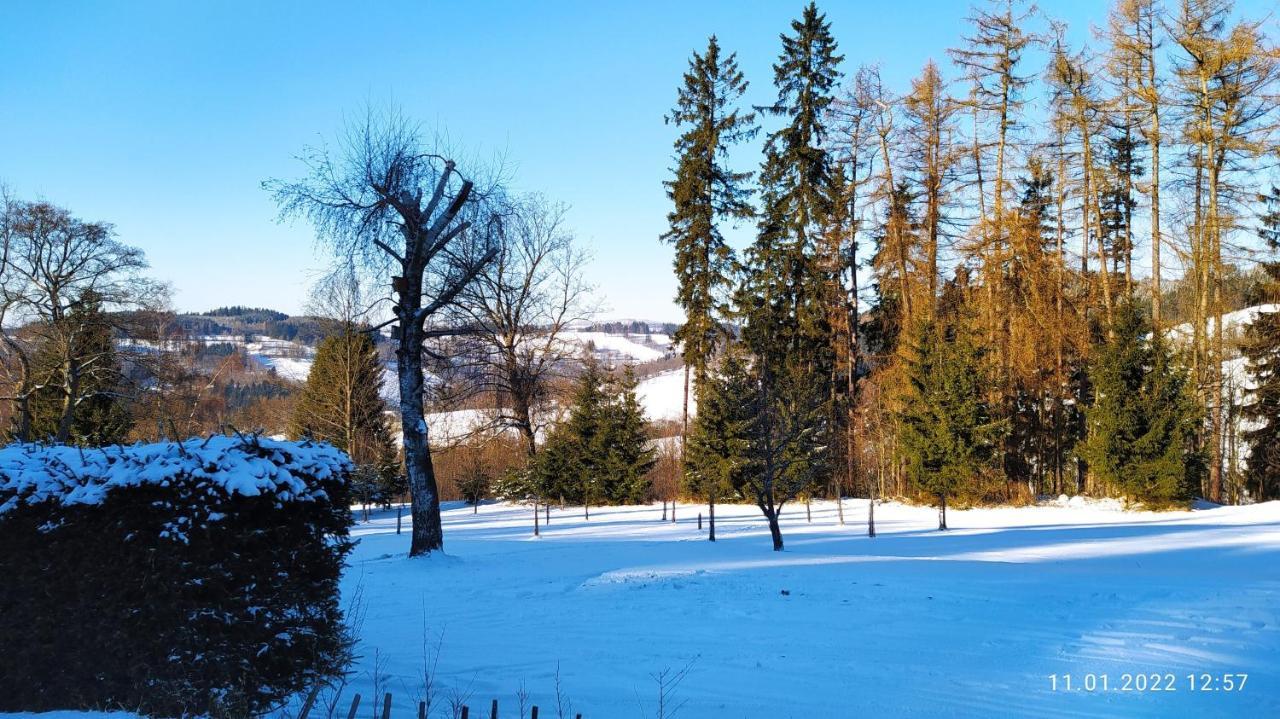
(171, 579)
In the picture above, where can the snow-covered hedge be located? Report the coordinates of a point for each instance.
(174, 578)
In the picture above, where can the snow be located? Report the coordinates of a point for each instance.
(916, 622)
(662, 396)
(619, 344)
(290, 360)
(72, 714)
(1231, 321)
(34, 473)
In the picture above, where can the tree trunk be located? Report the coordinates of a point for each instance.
(427, 534)
(774, 530)
(535, 518)
(942, 512)
(70, 390)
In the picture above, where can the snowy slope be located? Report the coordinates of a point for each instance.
(626, 347)
(1232, 322)
(290, 360)
(662, 396)
(965, 623)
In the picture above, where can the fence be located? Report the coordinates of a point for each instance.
(463, 713)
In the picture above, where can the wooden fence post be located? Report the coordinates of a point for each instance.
(399, 509)
(493, 713)
(422, 710)
(466, 713)
(386, 706)
(355, 704)
(699, 521)
(534, 714)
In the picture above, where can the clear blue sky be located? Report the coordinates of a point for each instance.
(164, 117)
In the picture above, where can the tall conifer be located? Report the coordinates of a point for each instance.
(342, 404)
(704, 192)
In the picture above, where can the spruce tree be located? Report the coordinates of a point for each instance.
(704, 192)
(785, 280)
(720, 453)
(624, 439)
(585, 445)
(83, 383)
(1262, 348)
(341, 403)
(948, 437)
(1142, 423)
(600, 453)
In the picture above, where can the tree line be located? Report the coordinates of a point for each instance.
(944, 293)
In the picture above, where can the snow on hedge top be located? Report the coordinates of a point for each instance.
(34, 473)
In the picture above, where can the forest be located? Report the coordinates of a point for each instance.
(945, 295)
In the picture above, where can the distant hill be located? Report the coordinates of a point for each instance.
(239, 320)
(247, 314)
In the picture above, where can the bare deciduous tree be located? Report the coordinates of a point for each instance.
(519, 309)
(389, 202)
(54, 263)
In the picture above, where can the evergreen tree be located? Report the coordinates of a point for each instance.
(1142, 424)
(585, 446)
(1262, 348)
(342, 404)
(82, 382)
(784, 270)
(624, 439)
(783, 296)
(600, 453)
(791, 448)
(703, 192)
(720, 456)
(948, 436)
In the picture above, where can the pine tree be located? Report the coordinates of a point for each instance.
(1141, 426)
(720, 454)
(342, 404)
(703, 192)
(948, 435)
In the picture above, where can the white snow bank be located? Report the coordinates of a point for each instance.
(33, 473)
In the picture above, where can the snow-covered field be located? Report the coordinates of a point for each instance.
(624, 347)
(970, 622)
(662, 396)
